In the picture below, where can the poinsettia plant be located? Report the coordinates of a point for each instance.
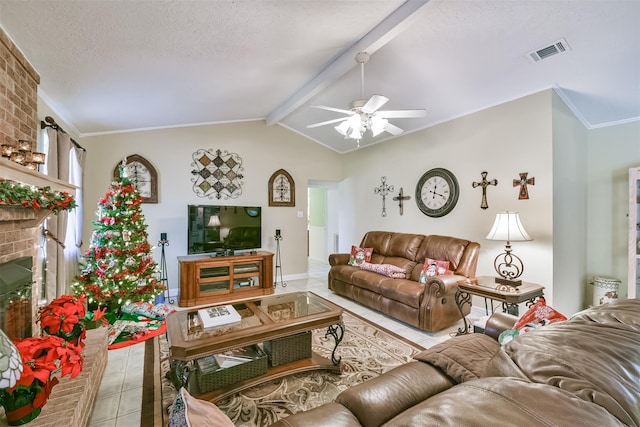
(64, 317)
(58, 350)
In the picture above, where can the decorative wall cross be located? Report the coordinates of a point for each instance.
(484, 183)
(400, 198)
(383, 190)
(522, 182)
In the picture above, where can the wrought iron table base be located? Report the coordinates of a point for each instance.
(337, 332)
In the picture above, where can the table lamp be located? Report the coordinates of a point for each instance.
(509, 267)
(10, 362)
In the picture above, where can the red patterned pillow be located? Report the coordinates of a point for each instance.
(359, 255)
(384, 269)
(538, 315)
(433, 267)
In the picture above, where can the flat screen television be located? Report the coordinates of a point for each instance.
(223, 230)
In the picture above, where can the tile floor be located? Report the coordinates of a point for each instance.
(120, 396)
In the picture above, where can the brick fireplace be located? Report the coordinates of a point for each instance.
(71, 402)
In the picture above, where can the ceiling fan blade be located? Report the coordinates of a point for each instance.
(328, 122)
(375, 102)
(401, 114)
(393, 129)
(337, 110)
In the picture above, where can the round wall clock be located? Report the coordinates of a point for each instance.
(437, 192)
(143, 176)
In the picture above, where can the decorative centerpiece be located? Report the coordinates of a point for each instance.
(45, 359)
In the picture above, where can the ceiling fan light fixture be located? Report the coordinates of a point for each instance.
(378, 125)
(342, 128)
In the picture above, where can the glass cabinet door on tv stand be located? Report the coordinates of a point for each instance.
(633, 283)
(206, 279)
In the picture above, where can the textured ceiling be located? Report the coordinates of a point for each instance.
(112, 66)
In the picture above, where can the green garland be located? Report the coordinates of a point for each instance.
(28, 196)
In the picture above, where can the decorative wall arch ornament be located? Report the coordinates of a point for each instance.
(217, 174)
(282, 189)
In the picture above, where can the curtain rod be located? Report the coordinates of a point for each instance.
(50, 122)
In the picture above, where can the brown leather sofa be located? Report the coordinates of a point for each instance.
(429, 306)
(581, 372)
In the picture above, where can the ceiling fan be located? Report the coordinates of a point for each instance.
(365, 114)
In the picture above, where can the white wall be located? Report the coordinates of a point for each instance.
(263, 151)
(611, 152)
(569, 205)
(504, 140)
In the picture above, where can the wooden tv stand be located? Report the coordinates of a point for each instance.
(208, 279)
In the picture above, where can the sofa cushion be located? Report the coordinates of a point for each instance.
(405, 291)
(504, 401)
(443, 248)
(463, 358)
(404, 245)
(378, 399)
(601, 363)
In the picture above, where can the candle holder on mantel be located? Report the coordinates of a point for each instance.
(23, 155)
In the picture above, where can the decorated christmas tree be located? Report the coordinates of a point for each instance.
(119, 268)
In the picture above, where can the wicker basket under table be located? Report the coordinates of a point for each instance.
(210, 376)
(288, 349)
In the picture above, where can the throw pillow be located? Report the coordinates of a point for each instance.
(540, 314)
(187, 411)
(433, 267)
(384, 269)
(359, 255)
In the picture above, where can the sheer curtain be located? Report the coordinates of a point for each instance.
(65, 161)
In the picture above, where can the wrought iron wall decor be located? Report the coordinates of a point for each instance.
(400, 198)
(217, 174)
(383, 190)
(484, 184)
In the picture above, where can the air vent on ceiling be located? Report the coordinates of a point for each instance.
(559, 46)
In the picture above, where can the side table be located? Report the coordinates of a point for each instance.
(485, 286)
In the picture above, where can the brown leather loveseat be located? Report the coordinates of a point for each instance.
(581, 372)
(430, 306)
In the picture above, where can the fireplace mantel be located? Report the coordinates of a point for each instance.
(28, 217)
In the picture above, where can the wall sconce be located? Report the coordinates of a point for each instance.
(509, 267)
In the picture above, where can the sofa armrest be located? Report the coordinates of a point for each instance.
(498, 323)
(379, 399)
(339, 259)
(328, 415)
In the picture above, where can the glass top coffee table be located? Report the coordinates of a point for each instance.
(266, 320)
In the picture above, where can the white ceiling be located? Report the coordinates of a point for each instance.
(112, 66)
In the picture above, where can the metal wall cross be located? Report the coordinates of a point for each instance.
(484, 183)
(383, 190)
(400, 198)
(522, 182)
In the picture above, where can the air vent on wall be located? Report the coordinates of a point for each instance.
(559, 46)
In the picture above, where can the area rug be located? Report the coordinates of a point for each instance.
(367, 351)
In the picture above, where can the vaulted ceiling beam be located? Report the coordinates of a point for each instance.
(380, 35)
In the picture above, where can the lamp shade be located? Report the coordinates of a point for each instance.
(508, 227)
(214, 221)
(10, 362)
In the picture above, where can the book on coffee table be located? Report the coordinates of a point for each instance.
(218, 316)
